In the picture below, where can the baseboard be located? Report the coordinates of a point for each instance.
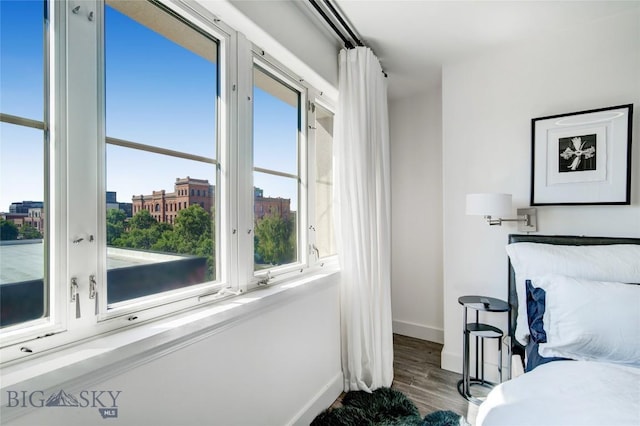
(418, 331)
(321, 401)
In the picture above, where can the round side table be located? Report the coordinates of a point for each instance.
(480, 332)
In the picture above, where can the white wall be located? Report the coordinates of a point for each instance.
(276, 367)
(289, 25)
(287, 32)
(488, 102)
(416, 215)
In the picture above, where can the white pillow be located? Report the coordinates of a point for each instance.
(590, 320)
(619, 263)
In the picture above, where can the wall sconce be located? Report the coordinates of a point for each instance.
(495, 206)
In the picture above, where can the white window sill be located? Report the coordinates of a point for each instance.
(114, 353)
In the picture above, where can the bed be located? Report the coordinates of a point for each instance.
(575, 323)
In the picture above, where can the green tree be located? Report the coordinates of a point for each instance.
(138, 238)
(28, 232)
(206, 248)
(142, 220)
(274, 243)
(144, 233)
(193, 224)
(192, 234)
(115, 224)
(8, 230)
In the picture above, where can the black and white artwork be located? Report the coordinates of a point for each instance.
(582, 157)
(577, 153)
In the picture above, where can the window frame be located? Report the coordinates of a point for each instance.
(281, 74)
(54, 100)
(167, 302)
(316, 98)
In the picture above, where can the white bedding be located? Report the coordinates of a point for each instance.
(569, 393)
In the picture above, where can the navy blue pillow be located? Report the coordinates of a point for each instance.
(536, 298)
(535, 312)
(534, 358)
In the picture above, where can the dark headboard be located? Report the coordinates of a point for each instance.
(567, 240)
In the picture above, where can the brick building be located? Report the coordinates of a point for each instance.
(164, 206)
(16, 218)
(27, 213)
(263, 206)
(35, 218)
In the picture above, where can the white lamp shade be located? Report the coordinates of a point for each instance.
(489, 204)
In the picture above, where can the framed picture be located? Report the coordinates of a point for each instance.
(582, 157)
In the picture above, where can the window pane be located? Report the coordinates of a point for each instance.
(161, 93)
(325, 240)
(23, 293)
(23, 289)
(22, 58)
(276, 115)
(161, 79)
(275, 124)
(159, 237)
(275, 241)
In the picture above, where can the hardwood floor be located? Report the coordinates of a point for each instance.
(417, 374)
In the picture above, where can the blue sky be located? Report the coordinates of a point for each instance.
(21, 63)
(157, 93)
(21, 93)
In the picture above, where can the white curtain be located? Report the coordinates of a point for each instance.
(363, 220)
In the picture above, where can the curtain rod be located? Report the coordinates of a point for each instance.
(343, 23)
(333, 17)
(338, 24)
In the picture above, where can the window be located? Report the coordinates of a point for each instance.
(158, 182)
(276, 141)
(161, 96)
(324, 234)
(24, 151)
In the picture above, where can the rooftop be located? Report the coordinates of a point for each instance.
(23, 260)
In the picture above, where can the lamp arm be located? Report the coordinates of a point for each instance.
(526, 217)
(492, 221)
(498, 221)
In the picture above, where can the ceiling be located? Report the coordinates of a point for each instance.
(414, 38)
